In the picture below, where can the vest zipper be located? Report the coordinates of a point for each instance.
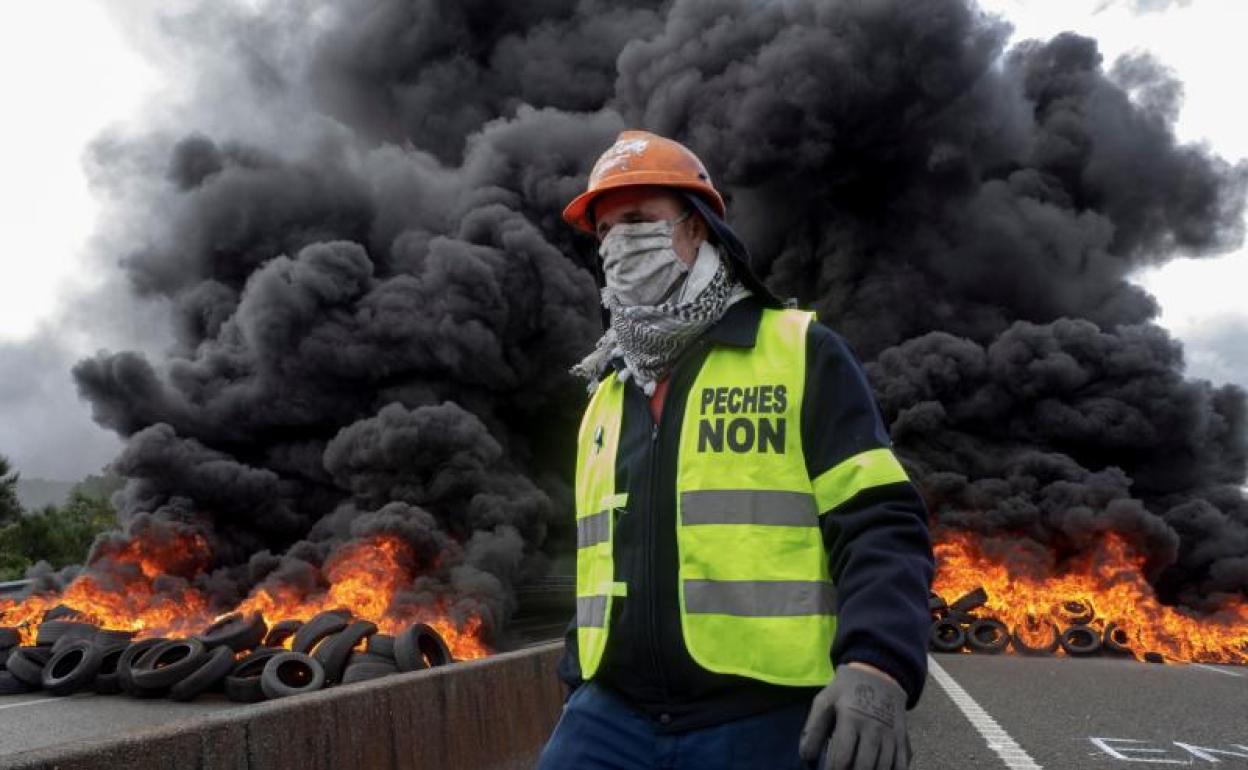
(652, 612)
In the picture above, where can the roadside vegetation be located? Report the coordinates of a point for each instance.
(58, 534)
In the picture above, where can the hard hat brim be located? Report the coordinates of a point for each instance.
(577, 212)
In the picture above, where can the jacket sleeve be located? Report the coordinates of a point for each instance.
(873, 519)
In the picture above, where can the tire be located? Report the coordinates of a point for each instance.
(281, 631)
(420, 647)
(106, 681)
(317, 629)
(332, 654)
(363, 667)
(291, 673)
(989, 636)
(1155, 657)
(381, 644)
(238, 632)
(71, 632)
(110, 637)
(72, 668)
(1074, 612)
(59, 612)
(946, 636)
(214, 670)
(1116, 641)
(125, 665)
(166, 665)
(937, 606)
(26, 664)
(1081, 641)
(11, 685)
(51, 630)
(1025, 647)
(242, 685)
(970, 601)
(9, 637)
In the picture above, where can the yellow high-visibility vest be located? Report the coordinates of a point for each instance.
(756, 598)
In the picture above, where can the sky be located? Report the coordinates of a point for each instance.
(48, 212)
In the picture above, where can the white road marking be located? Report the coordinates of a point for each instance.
(1219, 670)
(998, 740)
(41, 701)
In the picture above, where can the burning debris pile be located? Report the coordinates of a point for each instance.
(279, 641)
(239, 654)
(350, 220)
(1099, 604)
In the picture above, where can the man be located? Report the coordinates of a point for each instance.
(753, 564)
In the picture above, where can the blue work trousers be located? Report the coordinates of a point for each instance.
(598, 731)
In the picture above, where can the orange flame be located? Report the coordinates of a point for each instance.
(119, 591)
(1111, 579)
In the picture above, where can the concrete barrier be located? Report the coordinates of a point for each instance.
(490, 714)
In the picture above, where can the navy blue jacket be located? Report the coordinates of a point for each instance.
(878, 544)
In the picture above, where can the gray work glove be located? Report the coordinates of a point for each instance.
(857, 723)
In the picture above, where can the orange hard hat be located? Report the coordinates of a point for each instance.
(642, 158)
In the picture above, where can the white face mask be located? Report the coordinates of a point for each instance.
(639, 263)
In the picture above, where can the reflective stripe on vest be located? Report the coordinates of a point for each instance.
(756, 598)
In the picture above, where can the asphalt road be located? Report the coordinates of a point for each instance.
(1080, 713)
(1054, 713)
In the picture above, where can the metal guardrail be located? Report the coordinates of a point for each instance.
(15, 587)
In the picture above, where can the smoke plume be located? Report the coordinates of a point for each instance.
(353, 217)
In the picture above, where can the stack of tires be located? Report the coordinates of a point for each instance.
(1071, 625)
(238, 655)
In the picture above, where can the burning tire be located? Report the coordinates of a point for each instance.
(317, 629)
(238, 632)
(26, 664)
(365, 666)
(72, 668)
(988, 635)
(332, 654)
(946, 636)
(130, 656)
(1080, 641)
(1075, 612)
(111, 637)
(937, 605)
(1025, 643)
(58, 612)
(106, 679)
(1116, 641)
(242, 685)
(291, 673)
(970, 601)
(382, 645)
(281, 631)
(52, 632)
(420, 647)
(218, 665)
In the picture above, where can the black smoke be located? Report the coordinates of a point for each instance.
(354, 221)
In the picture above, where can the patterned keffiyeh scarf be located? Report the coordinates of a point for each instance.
(650, 338)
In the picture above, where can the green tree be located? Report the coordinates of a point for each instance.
(10, 508)
(61, 536)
